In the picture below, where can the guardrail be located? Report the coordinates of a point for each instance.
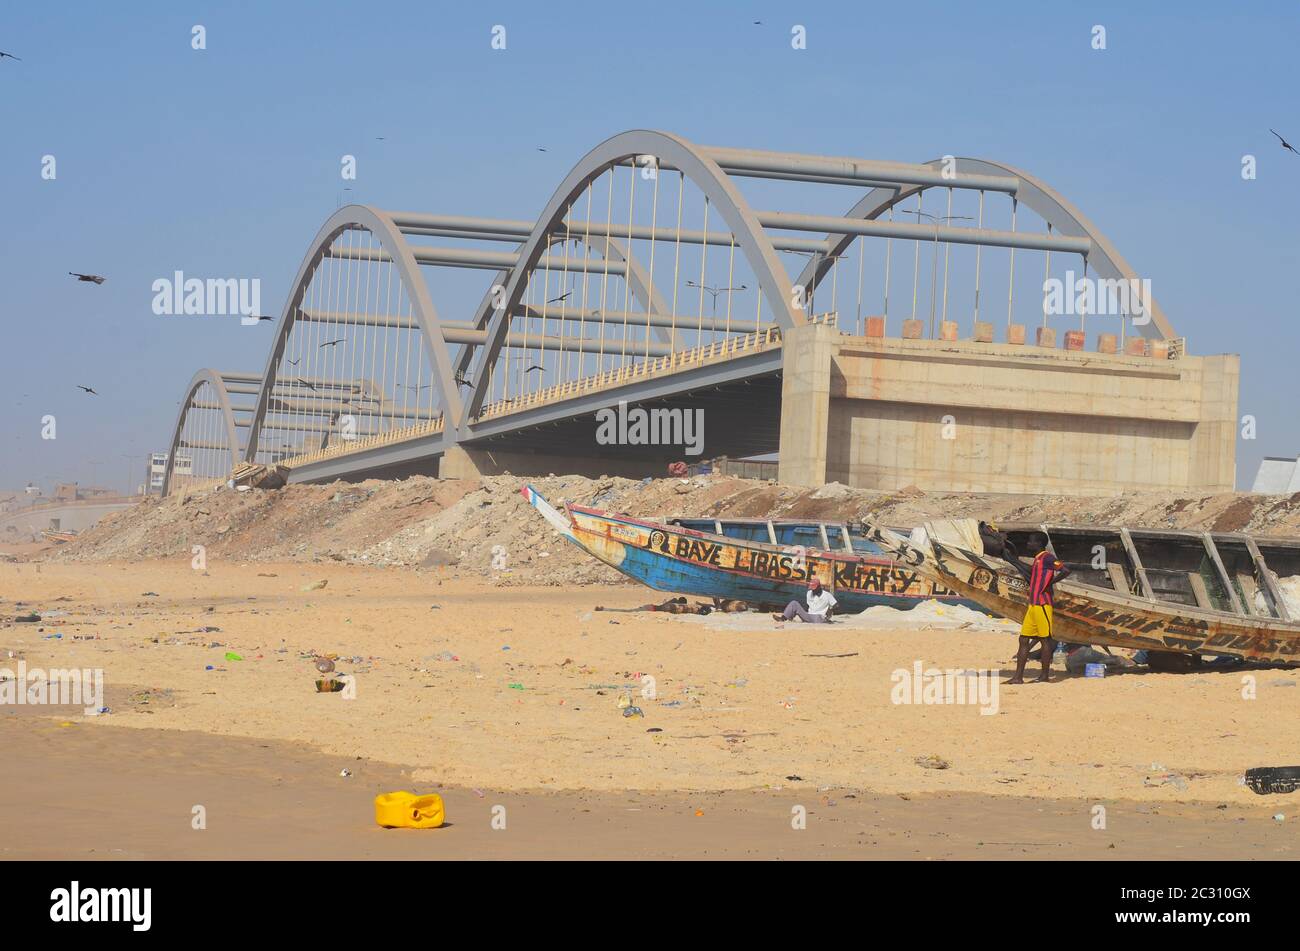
(680, 360)
(364, 442)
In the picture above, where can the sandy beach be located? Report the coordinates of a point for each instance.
(464, 685)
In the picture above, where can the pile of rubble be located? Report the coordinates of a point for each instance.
(485, 526)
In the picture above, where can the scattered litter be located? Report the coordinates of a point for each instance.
(516, 686)
(28, 618)
(854, 654)
(794, 778)
(933, 761)
(1169, 779)
(654, 729)
(231, 655)
(150, 594)
(329, 685)
(345, 773)
(632, 712)
(315, 585)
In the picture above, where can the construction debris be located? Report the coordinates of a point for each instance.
(485, 527)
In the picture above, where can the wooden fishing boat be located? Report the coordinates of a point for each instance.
(672, 557)
(1218, 593)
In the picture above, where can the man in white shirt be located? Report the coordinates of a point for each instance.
(820, 601)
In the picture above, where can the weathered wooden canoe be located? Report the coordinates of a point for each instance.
(671, 557)
(1186, 592)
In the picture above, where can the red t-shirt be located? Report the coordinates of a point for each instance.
(1041, 577)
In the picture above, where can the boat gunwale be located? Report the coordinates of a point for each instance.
(1128, 602)
(825, 555)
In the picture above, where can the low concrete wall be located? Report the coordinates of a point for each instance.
(986, 417)
(72, 517)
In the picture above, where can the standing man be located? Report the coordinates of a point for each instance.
(1042, 574)
(820, 601)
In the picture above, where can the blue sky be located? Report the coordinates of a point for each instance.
(225, 161)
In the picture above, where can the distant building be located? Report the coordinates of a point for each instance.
(1277, 475)
(158, 469)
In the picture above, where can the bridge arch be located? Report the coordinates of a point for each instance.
(205, 423)
(695, 165)
(381, 227)
(1049, 204)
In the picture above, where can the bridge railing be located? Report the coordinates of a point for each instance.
(346, 446)
(679, 360)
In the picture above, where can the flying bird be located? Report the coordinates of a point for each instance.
(4, 55)
(1285, 144)
(331, 343)
(88, 278)
(535, 367)
(87, 389)
(540, 149)
(293, 363)
(460, 378)
(262, 317)
(554, 300)
(306, 384)
(407, 386)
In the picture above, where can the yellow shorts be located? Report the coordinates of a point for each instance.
(1037, 622)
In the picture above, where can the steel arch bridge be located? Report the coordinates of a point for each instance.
(650, 275)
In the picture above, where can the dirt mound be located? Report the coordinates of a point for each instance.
(485, 526)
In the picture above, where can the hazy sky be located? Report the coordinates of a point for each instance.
(225, 161)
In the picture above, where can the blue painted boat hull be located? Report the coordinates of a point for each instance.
(685, 561)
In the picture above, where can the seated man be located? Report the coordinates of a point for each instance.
(820, 601)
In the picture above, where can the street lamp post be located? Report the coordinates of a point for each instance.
(714, 292)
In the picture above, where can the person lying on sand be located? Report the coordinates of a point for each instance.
(671, 606)
(820, 601)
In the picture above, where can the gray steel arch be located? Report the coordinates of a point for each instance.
(206, 375)
(1045, 201)
(691, 161)
(381, 226)
(638, 279)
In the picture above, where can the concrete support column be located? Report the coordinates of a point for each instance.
(1213, 457)
(460, 463)
(807, 354)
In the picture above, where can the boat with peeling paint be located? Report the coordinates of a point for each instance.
(747, 565)
(1213, 593)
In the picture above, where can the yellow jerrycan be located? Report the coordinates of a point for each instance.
(404, 810)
